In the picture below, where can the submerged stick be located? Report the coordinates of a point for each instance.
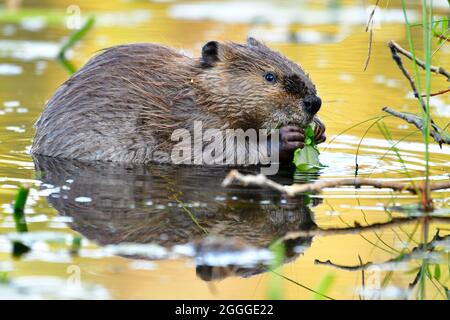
(357, 228)
(295, 189)
(424, 247)
(437, 134)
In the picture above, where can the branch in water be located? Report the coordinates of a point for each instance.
(357, 228)
(295, 189)
(427, 247)
(437, 134)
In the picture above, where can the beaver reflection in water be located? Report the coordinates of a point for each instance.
(125, 103)
(175, 205)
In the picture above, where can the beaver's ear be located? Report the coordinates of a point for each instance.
(210, 53)
(253, 42)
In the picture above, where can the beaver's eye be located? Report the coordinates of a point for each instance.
(270, 77)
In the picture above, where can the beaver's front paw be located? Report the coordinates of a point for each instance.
(291, 138)
(319, 131)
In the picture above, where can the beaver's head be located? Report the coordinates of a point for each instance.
(253, 86)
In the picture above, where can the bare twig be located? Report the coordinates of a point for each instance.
(437, 134)
(420, 63)
(295, 189)
(438, 93)
(372, 13)
(395, 49)
(369, 48)
(427, 247)
(442, 37)
(357, 228)
(416, 279)
(369, 28)
(361, 266)
(439, 47)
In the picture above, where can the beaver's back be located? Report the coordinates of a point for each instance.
(110, 103)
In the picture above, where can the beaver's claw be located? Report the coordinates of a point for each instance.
(319, 131)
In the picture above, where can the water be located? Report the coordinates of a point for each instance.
(174, 232)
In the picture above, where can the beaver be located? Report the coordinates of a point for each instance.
(126, 102)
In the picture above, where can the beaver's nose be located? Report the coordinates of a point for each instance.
(312, 104)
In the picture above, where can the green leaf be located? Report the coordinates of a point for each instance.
(309, 133)
(306, 199)
(307, 159)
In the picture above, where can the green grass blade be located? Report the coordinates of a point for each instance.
(73, 40)
(324, 286)
(275, 286)
(19, 209)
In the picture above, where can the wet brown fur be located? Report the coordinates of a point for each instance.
(124, 104)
